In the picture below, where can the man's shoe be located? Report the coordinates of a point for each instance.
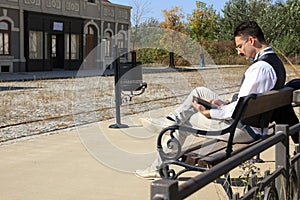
(148, 174)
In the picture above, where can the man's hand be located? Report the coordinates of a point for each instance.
(218, 102)
(201, 109)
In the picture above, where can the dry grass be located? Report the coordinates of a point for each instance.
(54, 104)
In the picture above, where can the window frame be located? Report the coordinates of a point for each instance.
(72, 46)
(5, 36)
(36, 49)
(108, 43)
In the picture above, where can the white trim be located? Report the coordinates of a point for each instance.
(108, 30)
(91, 23)
(13, 28)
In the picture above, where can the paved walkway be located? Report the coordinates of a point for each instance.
(90, 162)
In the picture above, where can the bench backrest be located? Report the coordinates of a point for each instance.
(257, 109)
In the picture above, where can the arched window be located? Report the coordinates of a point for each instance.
(108, 47)
(91, 30)
(121, 40)
(4, 38)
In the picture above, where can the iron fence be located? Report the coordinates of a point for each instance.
(283, 183)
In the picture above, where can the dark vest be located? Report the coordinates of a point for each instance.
(278, 67)
(285, 114)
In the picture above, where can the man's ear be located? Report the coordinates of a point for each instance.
(252, 40)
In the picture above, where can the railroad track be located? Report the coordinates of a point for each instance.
(14, 126)
(47, 125)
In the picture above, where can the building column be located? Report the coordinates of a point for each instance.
(102, 30)
(21, 32)
(116, 33)
(102, 47)
(128, 41)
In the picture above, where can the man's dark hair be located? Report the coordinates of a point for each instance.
(250, 28)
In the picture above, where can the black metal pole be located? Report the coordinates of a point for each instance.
(117, 90)
(118, 101)
(133, 58)
(172, 60)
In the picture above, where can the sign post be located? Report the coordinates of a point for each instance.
(118, 100)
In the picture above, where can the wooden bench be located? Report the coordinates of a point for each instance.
(255, 110)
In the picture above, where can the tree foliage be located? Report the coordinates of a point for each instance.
(279, 20)
(173, 19)
(202, 23)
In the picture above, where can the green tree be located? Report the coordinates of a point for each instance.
(288, 41)
(202, 25)
(279, 21)
(146, 33)
(149, 34)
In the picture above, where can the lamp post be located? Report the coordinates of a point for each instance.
(171, 54)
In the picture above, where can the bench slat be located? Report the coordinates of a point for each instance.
(265, 102)
(194, 156)
(217, 154)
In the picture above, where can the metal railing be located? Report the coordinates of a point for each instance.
(271, 187)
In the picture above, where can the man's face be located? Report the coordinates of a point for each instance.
(244, 47)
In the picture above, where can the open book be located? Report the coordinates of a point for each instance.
(205, 103)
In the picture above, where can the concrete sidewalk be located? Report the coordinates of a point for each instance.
(91, 162)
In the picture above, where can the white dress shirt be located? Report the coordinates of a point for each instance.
(259, 77)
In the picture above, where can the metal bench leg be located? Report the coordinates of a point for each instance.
(226, 184)
(257, 159)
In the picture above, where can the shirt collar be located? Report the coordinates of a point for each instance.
(263, 52)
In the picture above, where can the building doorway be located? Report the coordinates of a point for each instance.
(57, 50)
(91, 39)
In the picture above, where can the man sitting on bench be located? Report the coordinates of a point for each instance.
(266, 73)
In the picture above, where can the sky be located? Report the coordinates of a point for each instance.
(187, 6)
